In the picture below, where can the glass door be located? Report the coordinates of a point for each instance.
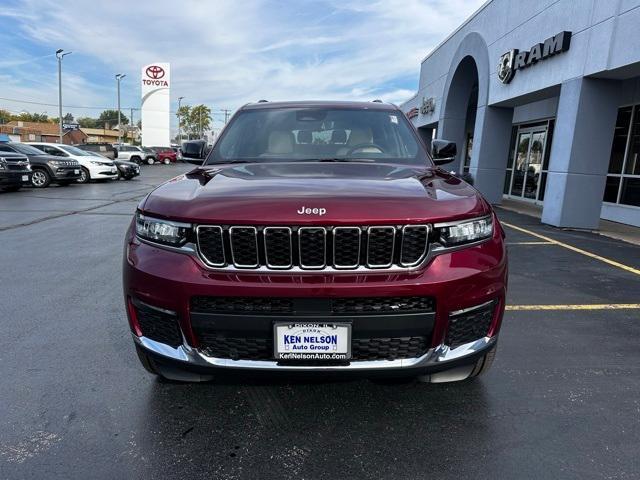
(528, 159)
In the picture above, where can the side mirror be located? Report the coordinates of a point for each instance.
(443, 151)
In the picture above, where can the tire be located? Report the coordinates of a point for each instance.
(128, 177)
(12, 188)
(151, 160)
(462, 373)
(146, 362)
(169, 374)
(484, 364)
(85, 176)
(166, 161)
(136, 160)
(40, 178)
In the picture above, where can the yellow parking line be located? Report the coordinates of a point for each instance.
(530, 243)
(574, 249)
(603, 306)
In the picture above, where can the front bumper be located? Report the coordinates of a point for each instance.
(457, 281)
(65, 173)
(126, 170)
(15, 178)
(457, 363)
(102, 171)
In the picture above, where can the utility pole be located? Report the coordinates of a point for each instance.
(60, 55)
(179, 121)
(119, 77)
(130, 129)
(200, 116)
(226, 115)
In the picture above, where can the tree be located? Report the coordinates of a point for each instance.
(68, 118)
(195, 120)
(31, 117)
(111, 117)
(88, 122)
(5, 116)
(183, 114)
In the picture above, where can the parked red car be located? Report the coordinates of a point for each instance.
(317, 238)
(165, 155)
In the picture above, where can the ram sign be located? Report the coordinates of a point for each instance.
(156, 116)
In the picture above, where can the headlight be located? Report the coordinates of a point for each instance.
(98, 163)
(56, 163)
(466, 232)
(161, 231)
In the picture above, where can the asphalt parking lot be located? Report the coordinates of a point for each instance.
(562, 399)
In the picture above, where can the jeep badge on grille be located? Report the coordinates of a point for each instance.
(312, 211)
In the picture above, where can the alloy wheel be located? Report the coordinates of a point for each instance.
(39, 179)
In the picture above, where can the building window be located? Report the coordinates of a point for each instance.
(623, 180)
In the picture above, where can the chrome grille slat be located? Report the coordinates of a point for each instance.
(415, 242)
(380, 246)
(278, 247)
(313, 248)
(346, 247)
(211, 245)
(244, 246)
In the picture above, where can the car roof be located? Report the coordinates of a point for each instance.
(320, 104)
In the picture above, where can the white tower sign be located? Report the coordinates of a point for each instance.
(155, 107)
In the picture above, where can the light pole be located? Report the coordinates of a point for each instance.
(119, 77)
(60, 53)
(179, 121)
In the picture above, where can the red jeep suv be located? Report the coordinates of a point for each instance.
(316, 238)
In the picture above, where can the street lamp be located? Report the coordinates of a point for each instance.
(179, 121)
(60, 55)
(119, 77)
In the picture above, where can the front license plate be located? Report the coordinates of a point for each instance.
(312, 341)
(76, 172)
(25, 178)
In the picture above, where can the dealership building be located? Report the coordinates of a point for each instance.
(543, 100)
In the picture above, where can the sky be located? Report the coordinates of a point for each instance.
(223, 53)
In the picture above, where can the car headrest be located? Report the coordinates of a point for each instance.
(360, 136)
(280, 142)
(339, 136)
(305, 136)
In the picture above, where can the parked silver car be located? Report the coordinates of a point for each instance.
(136, 154)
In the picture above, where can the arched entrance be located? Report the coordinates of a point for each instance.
(460, 109)
(482, 132)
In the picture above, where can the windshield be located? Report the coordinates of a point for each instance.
(26, 149)
(316, 134)
(75, 151)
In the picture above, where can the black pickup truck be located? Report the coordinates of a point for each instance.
(15, 171)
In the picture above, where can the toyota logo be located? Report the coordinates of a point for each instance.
(155, 72)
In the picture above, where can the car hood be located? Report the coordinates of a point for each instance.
(44, 158)
(347, 193)
(125, 163)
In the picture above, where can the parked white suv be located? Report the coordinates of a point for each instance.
(136, 154)
(93, 167)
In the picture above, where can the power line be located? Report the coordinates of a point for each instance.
(85, 107)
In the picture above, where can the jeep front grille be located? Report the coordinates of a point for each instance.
(313, 248)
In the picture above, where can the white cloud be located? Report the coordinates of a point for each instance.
(226, 53)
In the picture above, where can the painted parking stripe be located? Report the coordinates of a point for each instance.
(574, 249)
(530, 243)
(602, 306)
